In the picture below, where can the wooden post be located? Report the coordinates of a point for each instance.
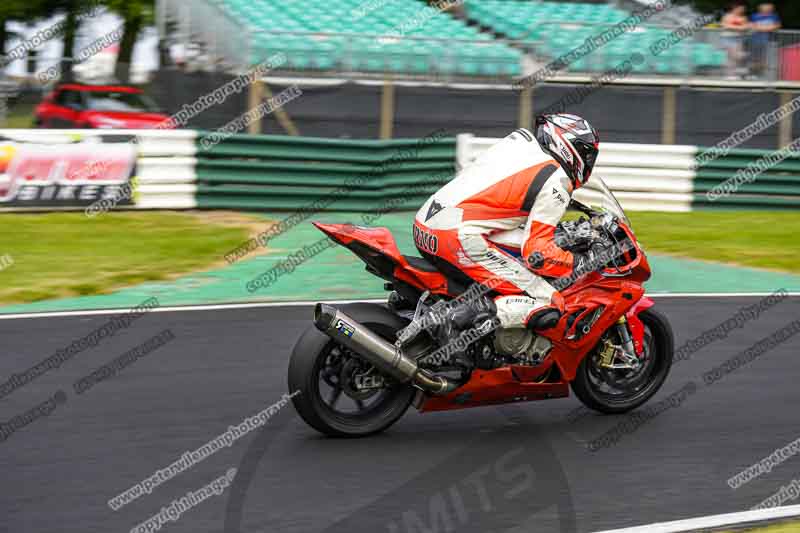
(668, 118)
(387, 110)
(281, 115)
(525, 108)
(785, 125)
(254, 98)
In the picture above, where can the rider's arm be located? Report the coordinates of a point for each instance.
(542, 254)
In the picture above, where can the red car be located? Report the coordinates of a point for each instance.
(73, 105)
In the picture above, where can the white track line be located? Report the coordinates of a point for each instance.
(254, 305)
(716, 521)
(178, 308)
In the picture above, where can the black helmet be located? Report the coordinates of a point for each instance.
(572, 141)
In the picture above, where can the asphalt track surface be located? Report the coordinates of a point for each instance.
(514, 468)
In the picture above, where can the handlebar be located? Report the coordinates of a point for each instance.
(602, 228)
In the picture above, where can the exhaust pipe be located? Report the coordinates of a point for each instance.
(373, 349)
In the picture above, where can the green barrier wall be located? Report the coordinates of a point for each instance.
(778, 187)
(267, 172)
(276, 173)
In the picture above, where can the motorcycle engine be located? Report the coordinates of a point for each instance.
(511, 341)
(522, 345)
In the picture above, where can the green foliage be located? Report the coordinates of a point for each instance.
(21, 10)
(136, 14)
(143, 10)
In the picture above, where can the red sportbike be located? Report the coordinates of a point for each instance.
(362, 365)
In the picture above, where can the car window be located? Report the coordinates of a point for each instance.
(74, 100)
(67, 98)
(119, 101)
(60, 98)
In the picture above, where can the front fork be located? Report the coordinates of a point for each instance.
(622, 356)
(625, 336)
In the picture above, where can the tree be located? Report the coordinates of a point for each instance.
(75, 10)
(70, 29)
(21, 10)
(136, 14)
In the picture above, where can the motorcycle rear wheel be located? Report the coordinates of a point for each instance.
(318, 363)
(659, 345)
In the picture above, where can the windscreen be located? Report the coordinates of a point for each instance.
(596, 194)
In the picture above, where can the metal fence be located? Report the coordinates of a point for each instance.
(768, 56)
(217, 42)
(787, 46)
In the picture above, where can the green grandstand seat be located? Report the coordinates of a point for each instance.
(420, 64)
(403, 55)
(533, 21)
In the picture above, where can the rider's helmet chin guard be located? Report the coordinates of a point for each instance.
(571, 141)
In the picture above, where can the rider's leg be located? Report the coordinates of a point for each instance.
(524, 298)
(525, 311)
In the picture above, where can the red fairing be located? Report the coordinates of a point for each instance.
(501, 385)
(594, 291)
(635, 323)
(381, 241)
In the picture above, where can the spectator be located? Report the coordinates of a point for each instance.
(734, 23)
(764, 22)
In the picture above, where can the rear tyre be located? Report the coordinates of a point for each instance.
(321, 369)
(592, 385)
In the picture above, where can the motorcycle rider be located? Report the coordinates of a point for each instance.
(509, 199)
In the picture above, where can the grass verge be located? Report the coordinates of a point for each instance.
(66, 254)
(760, 239)
(20, 116)
(58, 255)
(789, 527)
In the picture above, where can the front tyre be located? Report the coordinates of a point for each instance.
(620, 391)
(324, 372)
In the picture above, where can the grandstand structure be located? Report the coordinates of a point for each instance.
(388, 68)
(485, 40)
(552, 29)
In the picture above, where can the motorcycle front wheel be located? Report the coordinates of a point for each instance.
(323, 371)
(619, 391)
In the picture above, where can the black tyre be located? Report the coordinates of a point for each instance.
(321, 369)
(619, 391)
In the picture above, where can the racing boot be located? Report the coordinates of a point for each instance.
(546, 317)
(470, 320)
(472, 313)
(446, 322)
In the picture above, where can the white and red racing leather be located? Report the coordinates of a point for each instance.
(512, 196)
